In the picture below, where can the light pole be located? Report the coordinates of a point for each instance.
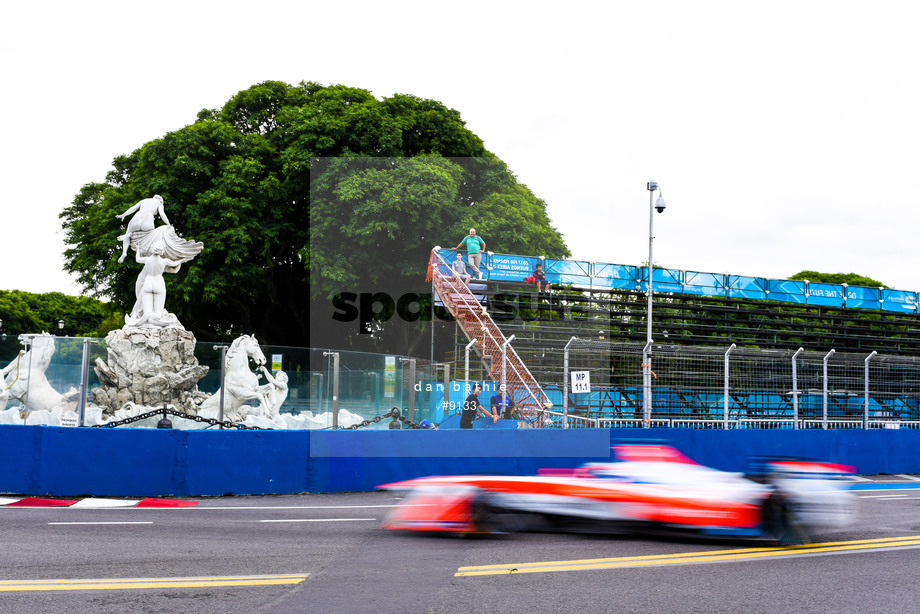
(653, 205)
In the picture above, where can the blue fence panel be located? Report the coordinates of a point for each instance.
(668, 280)
(740, 286)
(665, 280)
(449, 255)
(577, 272)
(704, 284)
(830, 295)
(863, 298)
(899, 300)
(786, 290)
(615, 276)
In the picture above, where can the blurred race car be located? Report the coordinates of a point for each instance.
(649, 488)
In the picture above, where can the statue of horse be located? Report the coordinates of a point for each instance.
(240, 384)
(24, 378)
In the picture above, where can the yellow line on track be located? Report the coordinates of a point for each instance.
(713, 556)
(7, 586)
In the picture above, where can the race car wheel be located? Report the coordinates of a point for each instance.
(488, 517)
(779, 522)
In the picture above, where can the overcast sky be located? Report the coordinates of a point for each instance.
(784, 134)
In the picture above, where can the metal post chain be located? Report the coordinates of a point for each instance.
(164, 411)
(393, 413)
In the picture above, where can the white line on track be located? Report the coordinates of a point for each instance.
(113, 522)
(289, 507)
(95, 503)
(908, 477)
(321, 520)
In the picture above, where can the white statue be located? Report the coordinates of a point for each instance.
(274, 393)
(160, 250)
(9, 375)
(240, 383)
(24, 378)
(142, 220)
(150, 290)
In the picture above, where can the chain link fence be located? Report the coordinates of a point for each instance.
(736, 387)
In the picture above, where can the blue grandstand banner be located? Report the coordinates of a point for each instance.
(704, 284)
(786, 290)
(830, 295)
(576, 272)
(740, 286)
(667, 280)
(511, 268)
(606, 276)
(863, 298)
(614, 276)
(899, 300)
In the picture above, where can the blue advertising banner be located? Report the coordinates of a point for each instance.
(786, 290)
(511, 268)
(606, 276)
(615, 276)
(704, 284)
(667, 280)
(862, 298)
(899, 300)
(577, 272)
(740, 286)
(830, 295)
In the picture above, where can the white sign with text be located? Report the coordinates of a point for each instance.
(581, 381)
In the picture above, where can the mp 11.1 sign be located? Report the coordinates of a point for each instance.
(581, 381)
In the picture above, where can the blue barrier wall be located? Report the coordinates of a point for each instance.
(39, 460)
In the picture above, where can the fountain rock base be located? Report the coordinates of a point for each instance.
(148, 367)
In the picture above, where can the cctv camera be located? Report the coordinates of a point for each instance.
(660, 205)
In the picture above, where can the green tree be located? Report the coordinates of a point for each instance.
(27, 312)
(300, 193)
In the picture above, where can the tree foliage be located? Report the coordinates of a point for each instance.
(26, 312)
(299, 193)
(851, 279)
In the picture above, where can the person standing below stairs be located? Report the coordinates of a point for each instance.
(472, 407)
(474, 246)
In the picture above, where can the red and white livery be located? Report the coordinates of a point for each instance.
(649, 488)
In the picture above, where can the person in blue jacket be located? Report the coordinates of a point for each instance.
(502, 409)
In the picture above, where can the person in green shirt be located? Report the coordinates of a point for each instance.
(474, 246)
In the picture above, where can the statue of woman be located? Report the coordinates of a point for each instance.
(146, 209)
(151, 287)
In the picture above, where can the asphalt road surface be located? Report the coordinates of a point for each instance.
(327, 553)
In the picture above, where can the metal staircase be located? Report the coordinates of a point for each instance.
(476, 323)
